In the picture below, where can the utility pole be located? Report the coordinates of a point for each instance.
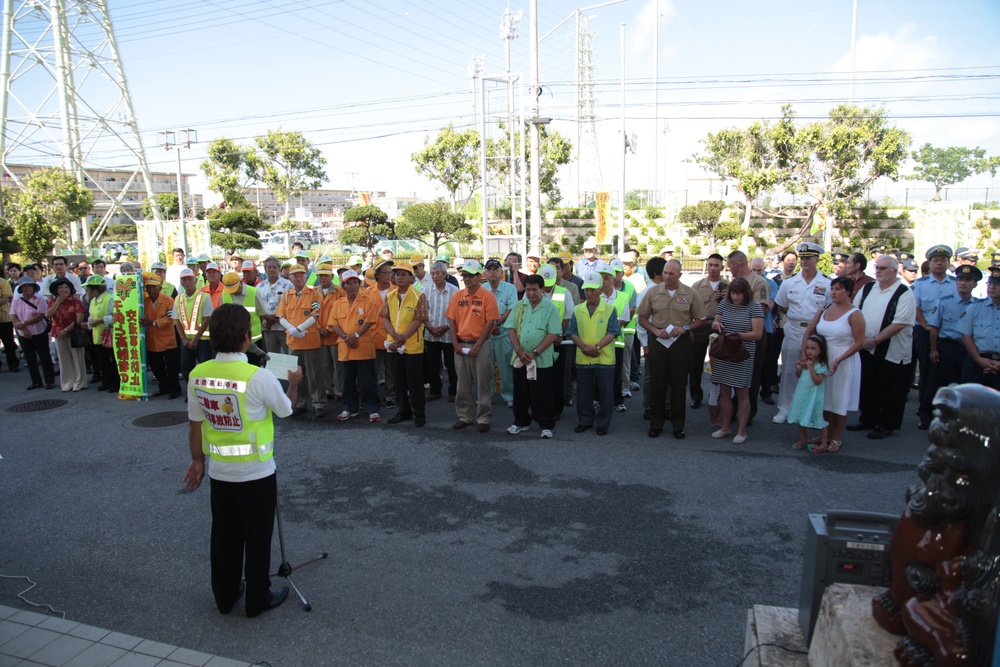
(535, 227)
(508, 32)
(656, 103)
(854, 44)
(170, 142)
(624, 152)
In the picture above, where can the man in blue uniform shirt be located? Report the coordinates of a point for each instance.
(947, 353)
(928, 291)
(980, 329)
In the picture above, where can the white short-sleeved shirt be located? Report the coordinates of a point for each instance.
(901, 345)
(803, 299)
(263, 392)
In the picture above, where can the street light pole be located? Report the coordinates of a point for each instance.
(170, 142)
(535, 229)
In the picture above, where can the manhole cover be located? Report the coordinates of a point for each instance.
(160, 419)
(39, 406)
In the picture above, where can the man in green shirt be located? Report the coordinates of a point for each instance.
(534, 326)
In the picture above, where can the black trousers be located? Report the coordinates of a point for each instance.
(191, 358)
(765, 357)
(883, 392)
(770, 373)
(636, 359)
(242, 525)
(535, 399)
(759, 357)
(668, 370)
(699, 348)
(922, 360)
(408, 370)
(973, 372)
(434, 353)
(110, 378)
(9, 348)
(36, 353)
(616, 389)
(948, 370)
(165, 366)
(564, 352)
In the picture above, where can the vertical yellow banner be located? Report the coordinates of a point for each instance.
(366, 198)
(603, 232)
(129, 338)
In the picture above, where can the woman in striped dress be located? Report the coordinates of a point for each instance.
(739, 314)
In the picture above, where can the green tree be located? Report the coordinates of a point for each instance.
(8, 240)
(230, 169)
(369, 222)
(287, 163)
(942, 167)
(169, 208)
(751, 157)
(834, 160)
(452, 160)
(556, 151)
(235, 228)
(44, 210)
(702, 218)
(436, 220)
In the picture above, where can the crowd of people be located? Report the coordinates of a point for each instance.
(552, 333)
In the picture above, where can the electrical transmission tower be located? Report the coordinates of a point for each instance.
(587, 156)
(65, 102)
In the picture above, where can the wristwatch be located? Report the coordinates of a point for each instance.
(687, 328)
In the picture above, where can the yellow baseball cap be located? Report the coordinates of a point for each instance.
(231, 282)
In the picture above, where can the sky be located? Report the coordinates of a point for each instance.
(367, 82)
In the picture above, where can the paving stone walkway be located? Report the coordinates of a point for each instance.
(27, 638)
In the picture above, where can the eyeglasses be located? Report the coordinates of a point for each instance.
(879, 268)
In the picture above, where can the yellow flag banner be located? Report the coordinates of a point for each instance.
(130, 338)
(366, 198)
(603, 200)
(820, 217)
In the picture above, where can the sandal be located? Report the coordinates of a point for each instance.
(833, 447)
(801, 444)
(820, 448)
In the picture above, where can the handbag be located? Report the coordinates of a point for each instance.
(106, 340)
(728, 347)
(80, 338)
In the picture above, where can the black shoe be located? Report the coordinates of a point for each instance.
(767, 400)
(580, 429)
(923, 425)
(174, 394)
(859, 427)
(679, 435)
(602, 431)
(50, 386)
(243, 587)
(695, 404)
(400, 418)
(113, 390)
(277, 597)
(34, 386)
(419, 422)
(654, 432)
(568, 402)
(157, 394)
(390, 402)
(880, 433)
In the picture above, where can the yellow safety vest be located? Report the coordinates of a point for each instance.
(591, 329)
(621, 303)
(250, 303)
(227, 434)
(98, 311)
(189, 319)
(401, 315)
(629, 329)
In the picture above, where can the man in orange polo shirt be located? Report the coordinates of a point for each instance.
(382, 273)
(162, 354)
(329, 293)
(352, 319)
(214, 286)
(472, 314)
(299, 312)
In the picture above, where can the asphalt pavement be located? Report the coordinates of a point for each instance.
(445, 547)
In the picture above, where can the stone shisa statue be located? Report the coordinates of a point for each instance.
(945, 552)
